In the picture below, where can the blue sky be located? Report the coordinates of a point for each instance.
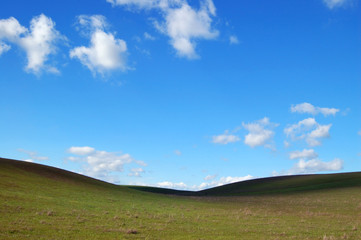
(182, 94)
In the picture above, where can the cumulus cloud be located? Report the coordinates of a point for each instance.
(105, 52)
(165, 184)
(310, 109)
(209, 184)
(183, 24)
(233, 40)
(304, 154)
(260, 133)
(225, 138)
(101, 164)
(309, 130)
(38, 42)
(136, 172)
(315, 165)
(33, 156)
(335, 3)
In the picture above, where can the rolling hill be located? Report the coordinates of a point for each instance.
(42, 202)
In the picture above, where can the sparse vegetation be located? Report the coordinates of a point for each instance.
(38, 202)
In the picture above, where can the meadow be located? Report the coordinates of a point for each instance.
(41, 202)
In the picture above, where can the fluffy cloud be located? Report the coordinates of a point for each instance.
(304, 154)
(310, 109)
(38, 42)
(315, 165)
(334, 3)
(258, 133)
(180, 185)
(309, 130)
(225, 138)
(33, 156)
(182, 23)
(105, 52)
(101, 164)
(233, 40)
(221, 181)
(215, 183)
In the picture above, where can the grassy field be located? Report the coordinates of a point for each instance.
(39, 202)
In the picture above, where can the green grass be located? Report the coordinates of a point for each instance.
(39, 202)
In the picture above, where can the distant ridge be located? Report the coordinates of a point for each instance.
(262, 186)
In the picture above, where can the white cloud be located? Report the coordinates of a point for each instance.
(315, 165)
(4, 48)
(334, 3)
(148, 36)
(177, 152)
(136, 172)
(222, 181)
(309, 130)
(215, 183)
(33, 156)
(210, 177)
(38, 42)
(225, 138)
(233, 40)
(81, 150)
(304, 154)
(310, 109)
(359, 132)
(286, 144)
(258, 133)
(101, 164)
(182, 23)
(180, 185)
(105, 52)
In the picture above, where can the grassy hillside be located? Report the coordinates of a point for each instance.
(39, 202)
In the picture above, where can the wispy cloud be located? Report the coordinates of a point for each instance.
(310, 109)
(33, 156)
(225, 138)
(304, 154)
(233, 40)
(331, 4)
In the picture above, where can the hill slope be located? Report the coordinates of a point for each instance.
(40, 202)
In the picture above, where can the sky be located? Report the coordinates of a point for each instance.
(183, 94)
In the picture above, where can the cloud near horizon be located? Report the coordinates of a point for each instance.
(209, 184)
(101, 164)
(308, 130)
